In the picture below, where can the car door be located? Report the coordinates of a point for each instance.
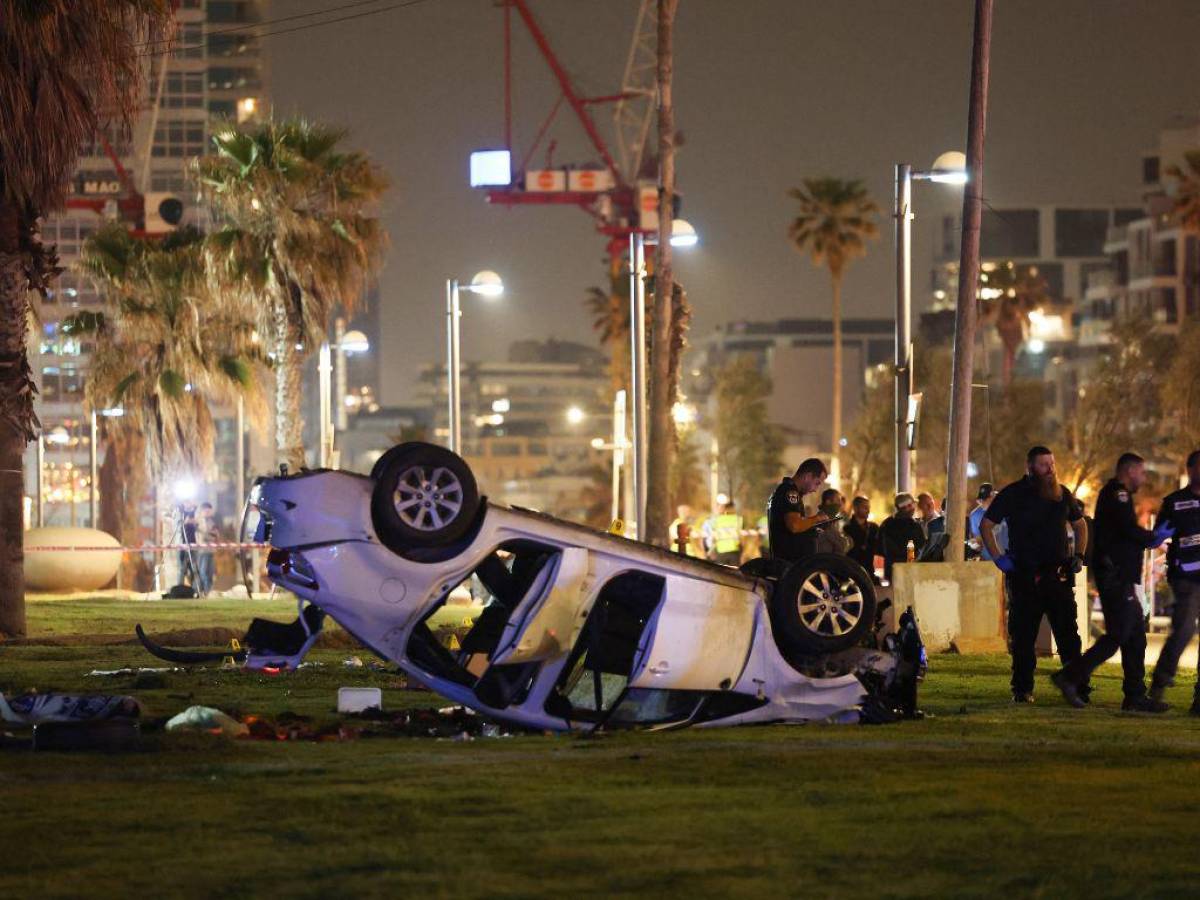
(700, 638)
(547, 622)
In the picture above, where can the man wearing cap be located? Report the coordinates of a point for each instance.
(897, 531)
(982, 501)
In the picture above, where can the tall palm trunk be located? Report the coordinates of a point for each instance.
(289, 425)
(14, 426)
(835, 470)
(661, 390)
(123, 486)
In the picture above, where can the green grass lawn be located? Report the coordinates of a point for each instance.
(981, 799)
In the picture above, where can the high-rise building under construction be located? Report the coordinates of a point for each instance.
(213, 70)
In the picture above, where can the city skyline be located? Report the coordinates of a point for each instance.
(903, 99)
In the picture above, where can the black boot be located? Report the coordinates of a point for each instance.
(1070, 690)
(1143, 705)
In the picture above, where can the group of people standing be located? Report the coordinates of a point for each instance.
(1035, 531)
(1049, 541)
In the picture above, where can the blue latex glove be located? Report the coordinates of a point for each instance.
(1005, 563)
(1162, 531)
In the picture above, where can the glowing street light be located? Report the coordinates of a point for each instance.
(486, 284)
(949, 168)
(354, 342)
(682, 235)
(575, 415)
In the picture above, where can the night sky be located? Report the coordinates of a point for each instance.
(767, 92)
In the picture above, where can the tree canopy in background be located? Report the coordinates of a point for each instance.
(749, 446)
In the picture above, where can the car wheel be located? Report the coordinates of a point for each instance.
(424, 496)
(822, 604)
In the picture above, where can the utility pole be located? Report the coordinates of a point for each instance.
(966, 314)
(904, 360)
(662, 425)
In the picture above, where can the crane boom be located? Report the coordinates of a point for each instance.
(634, 112)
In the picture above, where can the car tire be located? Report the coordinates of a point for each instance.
(424, 496)
(822, 604)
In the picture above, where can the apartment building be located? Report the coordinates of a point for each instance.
(214, 70)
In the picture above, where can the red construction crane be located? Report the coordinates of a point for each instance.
(616, 196)
(130, 202)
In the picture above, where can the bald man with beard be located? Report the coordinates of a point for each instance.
(1039, 569)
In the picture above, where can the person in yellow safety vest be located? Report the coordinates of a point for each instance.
(727, 537)
(764, 537)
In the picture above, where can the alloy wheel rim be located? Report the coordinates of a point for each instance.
(828, 607)
(427, 498)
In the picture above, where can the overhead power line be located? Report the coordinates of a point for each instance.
(362, 15)
(249, 26)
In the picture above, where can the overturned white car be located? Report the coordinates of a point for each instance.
(579, 629)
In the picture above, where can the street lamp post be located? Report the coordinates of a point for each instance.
(949, 168)
(40, 510)
(619, 441)
(349, 343)
(93, 472)
(332, 371)
(637, 374)
(682, 235)
(486, 284)
(618, 446)
(324, 367)
(239, 456)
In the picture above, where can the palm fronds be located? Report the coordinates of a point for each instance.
(166, 347)
(835, 221)
(67, 68)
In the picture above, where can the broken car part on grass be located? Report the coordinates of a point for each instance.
(580, 629)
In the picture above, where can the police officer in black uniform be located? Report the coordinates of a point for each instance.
(1182, 511)
(1118, 545)
(792, 534)
(1039, 571)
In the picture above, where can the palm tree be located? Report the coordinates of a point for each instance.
(1007, 297)
(165, 347)
(835, 221)
(164, 352)
(609, 312)
(297, 241)
(1186, 194)
(67, 66)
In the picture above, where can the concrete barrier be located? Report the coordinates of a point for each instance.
(65, 569)
(959, 605)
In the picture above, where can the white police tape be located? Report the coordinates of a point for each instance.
(147, 548)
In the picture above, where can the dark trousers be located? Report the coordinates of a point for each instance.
(1032, 595)
(1183, 629)
(1124, 630)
